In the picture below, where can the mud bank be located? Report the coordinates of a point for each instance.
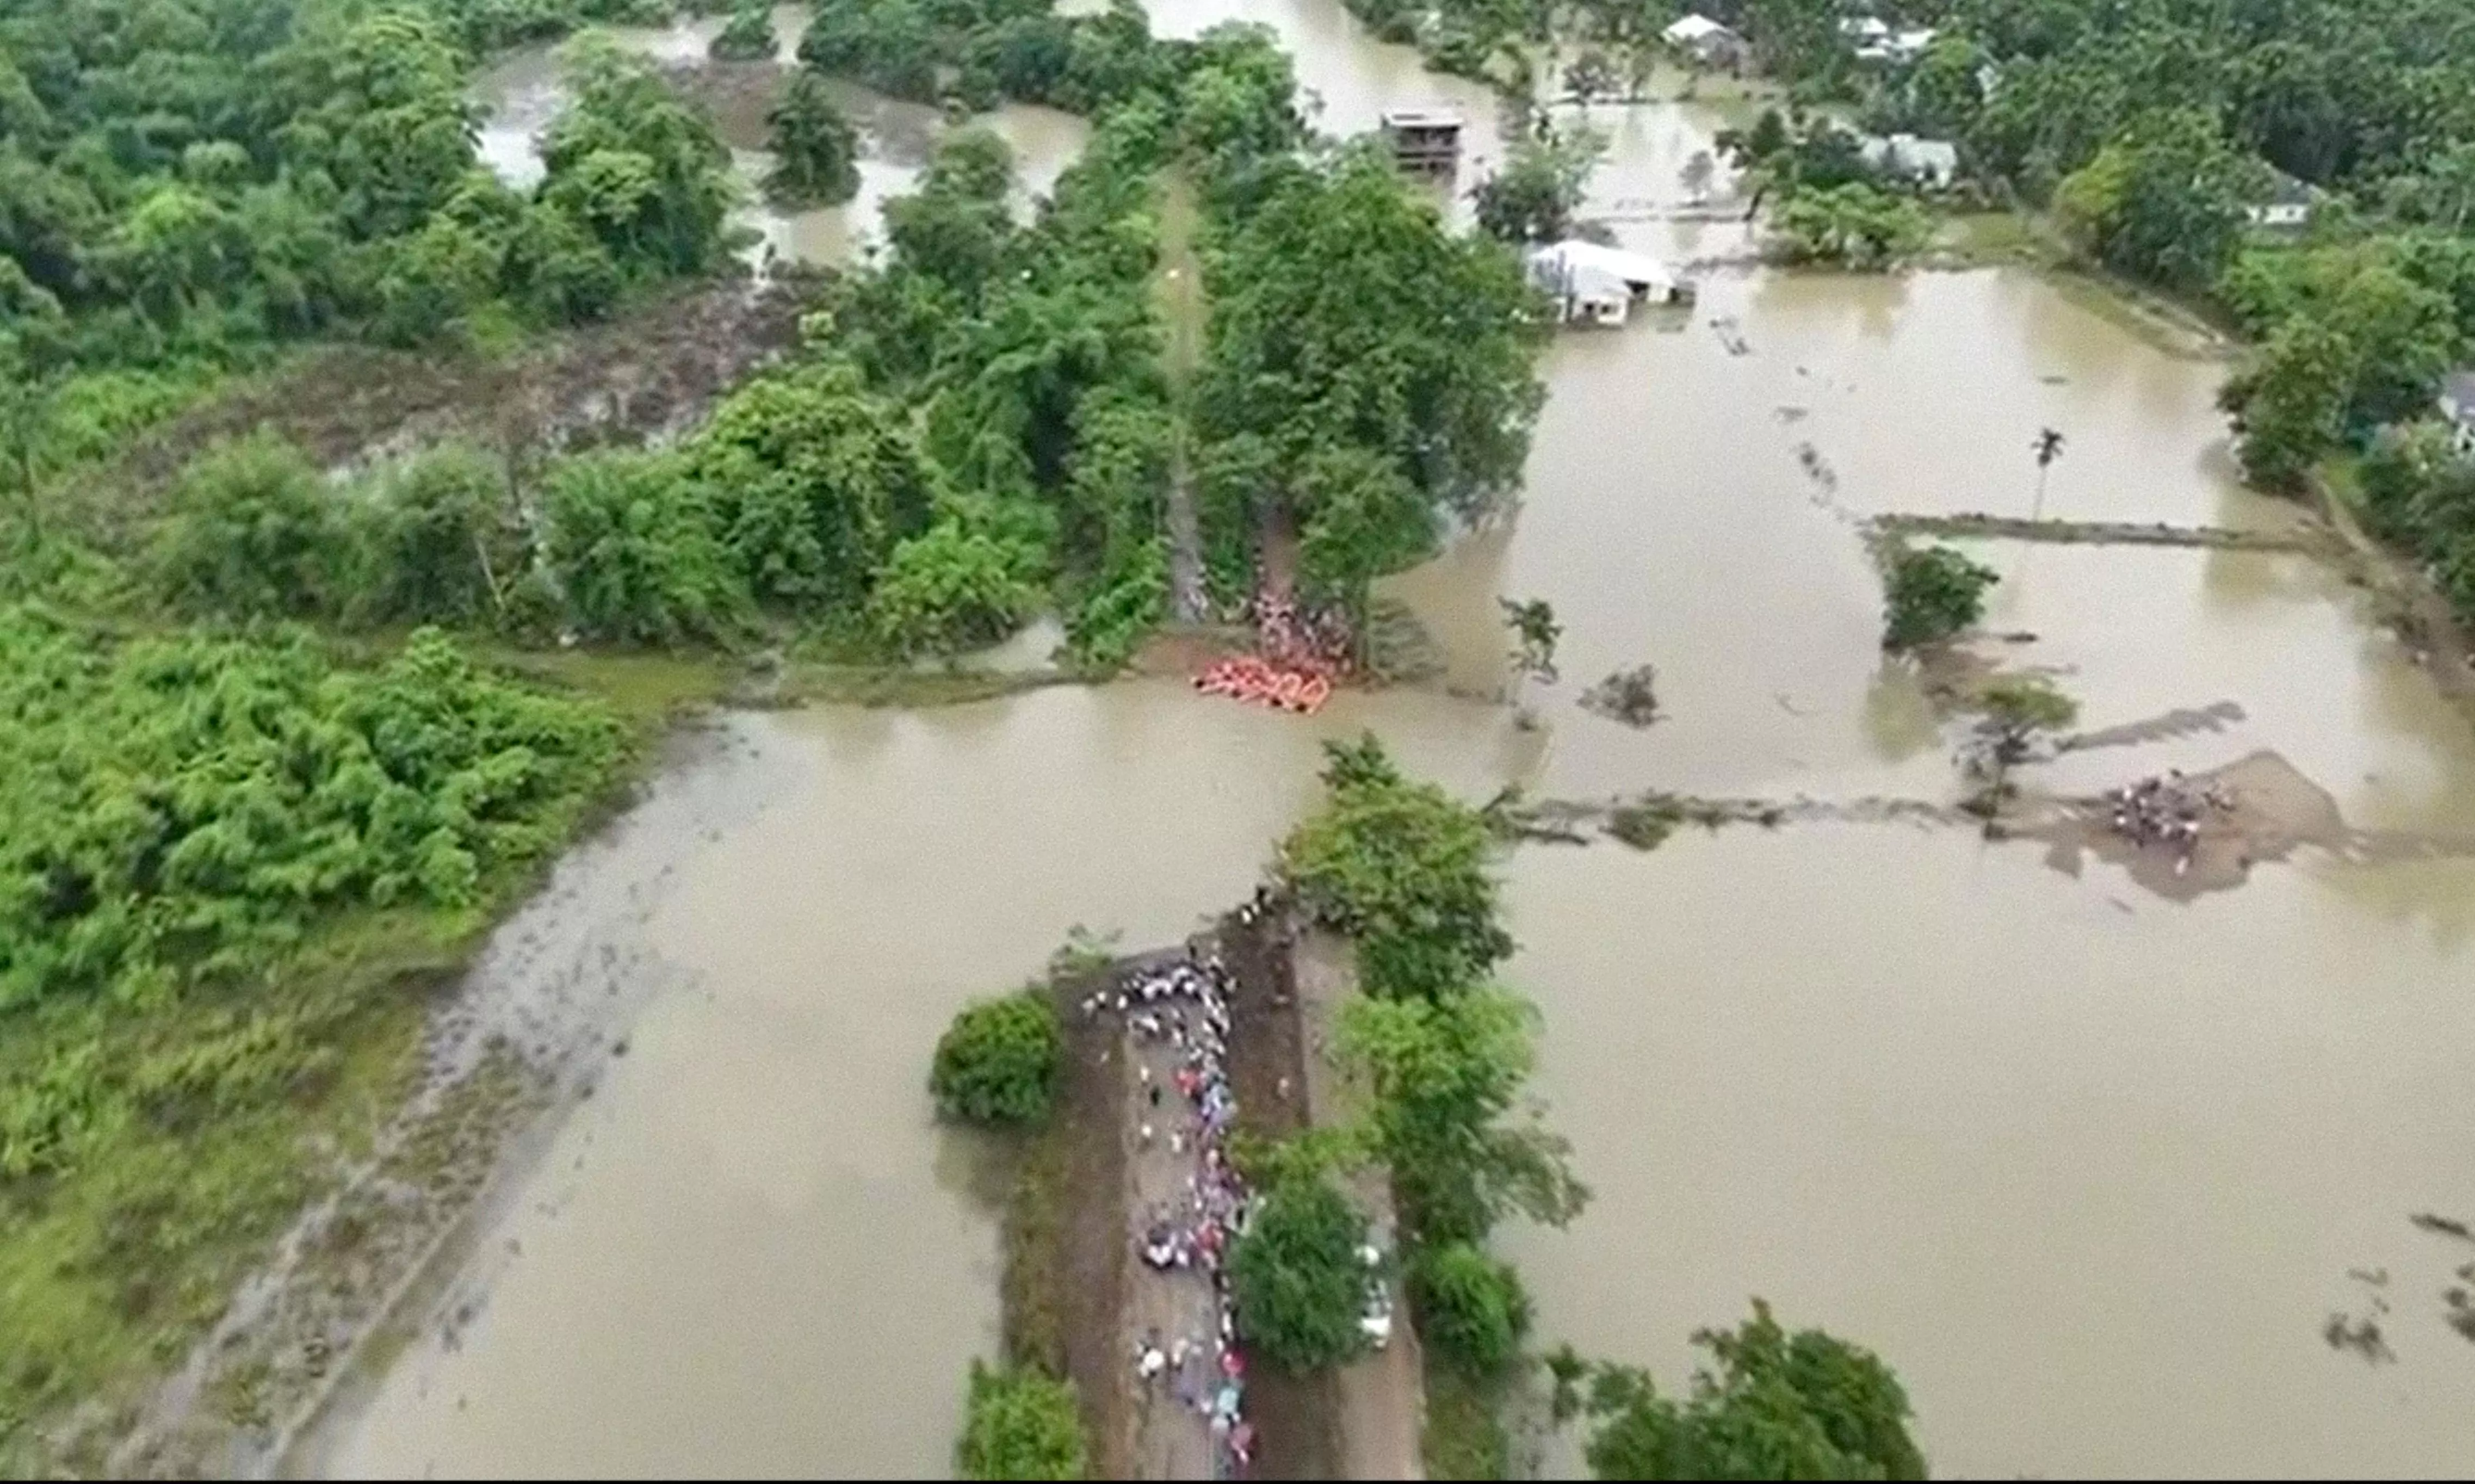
(520, 1036)
(644, 374)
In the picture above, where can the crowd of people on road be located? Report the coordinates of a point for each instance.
(1181, 1004)
(2166, 810)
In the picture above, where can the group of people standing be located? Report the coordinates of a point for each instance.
(2166, 810)
(1182, 1004)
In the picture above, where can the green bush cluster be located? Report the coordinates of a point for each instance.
(1000, 1061)
(1298, 1279)
(1472, 1309)
(1020, 1424)
(188, 812)
(1770, 1406)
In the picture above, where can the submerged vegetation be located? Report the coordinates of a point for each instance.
(1932, 595)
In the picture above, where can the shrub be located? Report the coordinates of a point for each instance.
(1932, 594)
(1471, 1308)
(951, 589)
(999, 1061)
(254, 534)
(747, 36)
(1299, 1278)
(1019, 1425)
(436, 541)
(631, 543)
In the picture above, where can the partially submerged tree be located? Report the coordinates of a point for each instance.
(1542, 184)
(1000, 1062)
(748, 35)
(1534, 631)
(1767, 1406)
(816, 150)
(1299, 1279)
(2016, 709)
(1932, 595)
(1447, 1073)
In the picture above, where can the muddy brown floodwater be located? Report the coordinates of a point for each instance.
(2093, 1169)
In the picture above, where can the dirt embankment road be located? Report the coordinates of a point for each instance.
(1380, 1401)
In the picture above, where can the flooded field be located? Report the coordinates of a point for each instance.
(521, 93)
(2091, 1167)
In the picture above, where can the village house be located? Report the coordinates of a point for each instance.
(1593, 285)
(1876, 42)
(1707, 42)
(2288, 205)
(2457, 406)
(1933, 163)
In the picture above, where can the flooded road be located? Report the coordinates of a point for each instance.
(2090, 1167)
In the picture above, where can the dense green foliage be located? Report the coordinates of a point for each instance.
(182, 185)
(2418, 492)
(1851, 226)
(181, 814)
(1447, 1075)
(1930, 595)
(1020, 1424)
(748, 35)
(1472, 1309)
(1345, 318)
(1402, 868)
(999, 1061)
(1298, 1279)
(1771, 1405)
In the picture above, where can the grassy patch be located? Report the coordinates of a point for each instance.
(1465, 1436)
(1034, 1290)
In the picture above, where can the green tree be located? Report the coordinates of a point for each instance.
(1299, 1281)
(2015, 708)
(1447, 1075)
(1020, 1424)
(2289, 406)
(1472, 1309)
(999, 1061)
(254, 534)
(816, 150)
(748, 35)
(1932, 595)
(1363, 519)
(2164, 200)
(1767, 1405)
(631, 544)
(1544, 181)
(634, 163)
(1852, 226)
(1401, 867)
(1343, 313)
(438, 542)
(812, 480)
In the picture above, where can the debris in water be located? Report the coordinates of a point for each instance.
(1627, 696)
(2362, 1336)
(2442, 1226)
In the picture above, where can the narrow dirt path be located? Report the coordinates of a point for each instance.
(1177, 289)
(2310, 539)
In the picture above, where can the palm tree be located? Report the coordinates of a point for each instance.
(2048, 447)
